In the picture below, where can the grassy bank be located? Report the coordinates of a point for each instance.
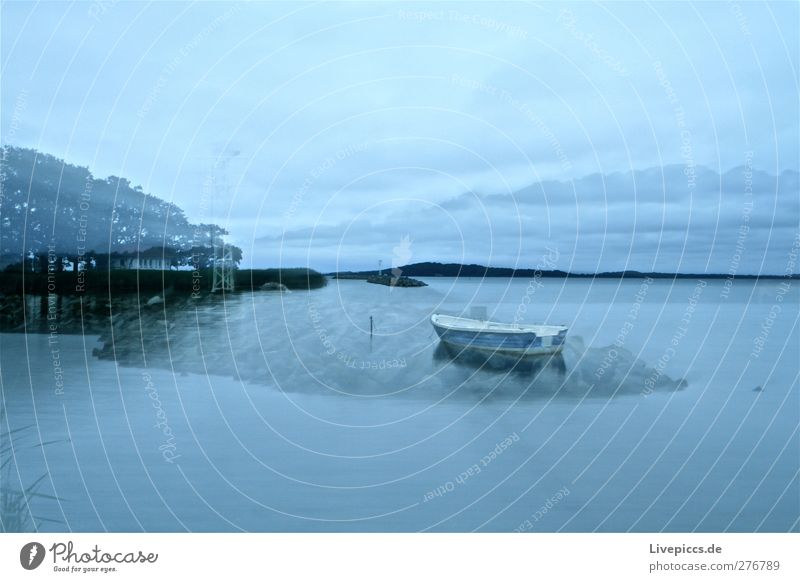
(150, 282)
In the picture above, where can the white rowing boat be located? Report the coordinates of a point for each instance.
(512, 338)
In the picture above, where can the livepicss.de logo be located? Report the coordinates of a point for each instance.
(31, 555)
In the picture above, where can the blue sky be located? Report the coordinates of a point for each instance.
(626, 135)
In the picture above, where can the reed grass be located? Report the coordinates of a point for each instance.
(16, 515)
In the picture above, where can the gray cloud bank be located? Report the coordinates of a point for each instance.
(620, 132)
(659, 219)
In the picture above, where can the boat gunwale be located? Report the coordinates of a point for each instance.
(539, 330)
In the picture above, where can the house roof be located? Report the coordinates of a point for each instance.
(152, 252)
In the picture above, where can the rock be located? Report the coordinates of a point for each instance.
(275, 287)
(390, 281)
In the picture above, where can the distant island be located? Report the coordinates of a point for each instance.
(431, 269)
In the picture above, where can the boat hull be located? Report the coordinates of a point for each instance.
(491, 361)
(512, 342)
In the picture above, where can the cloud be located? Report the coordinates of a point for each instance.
(652, 219)
(589, 117)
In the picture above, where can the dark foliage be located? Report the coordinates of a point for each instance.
(47, 204)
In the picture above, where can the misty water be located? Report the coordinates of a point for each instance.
(674, 407)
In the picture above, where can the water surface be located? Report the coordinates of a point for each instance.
(279, 412)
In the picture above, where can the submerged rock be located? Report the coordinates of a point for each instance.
(577, 372)
(613, 370)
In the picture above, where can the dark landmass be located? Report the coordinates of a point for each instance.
(391, 281)
(146, 282)
(30, 302)
(429, 269)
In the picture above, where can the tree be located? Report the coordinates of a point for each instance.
(47, 201)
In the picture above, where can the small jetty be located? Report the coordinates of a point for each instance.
(391, 281)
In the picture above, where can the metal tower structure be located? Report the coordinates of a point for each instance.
(222, 279)
(223, 265)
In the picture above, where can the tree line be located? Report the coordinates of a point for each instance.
(49, 206)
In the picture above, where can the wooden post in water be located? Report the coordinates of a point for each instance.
(370, 327)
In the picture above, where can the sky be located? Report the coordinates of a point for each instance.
(654, 137)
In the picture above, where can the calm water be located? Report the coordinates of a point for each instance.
(278, 413)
